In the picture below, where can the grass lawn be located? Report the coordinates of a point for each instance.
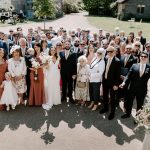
(108, 24)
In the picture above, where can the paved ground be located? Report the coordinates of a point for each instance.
(69, 22)
(66, 127)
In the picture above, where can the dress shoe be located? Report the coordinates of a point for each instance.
(103, 111)
(63, 99)
(111, 116)
(71, 101)
(125, 116)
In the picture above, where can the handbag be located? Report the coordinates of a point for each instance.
(81, 84)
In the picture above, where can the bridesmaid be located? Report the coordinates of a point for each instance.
(3, 69)
(37, 95)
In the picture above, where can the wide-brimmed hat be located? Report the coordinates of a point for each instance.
(14, 48)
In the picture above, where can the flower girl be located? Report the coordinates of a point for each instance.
(9, 95)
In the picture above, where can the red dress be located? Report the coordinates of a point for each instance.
(37, 95)
(3, 69)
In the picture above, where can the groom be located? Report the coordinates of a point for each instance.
(68, 67)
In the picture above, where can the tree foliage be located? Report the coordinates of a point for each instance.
(44, 8)
(97, 5)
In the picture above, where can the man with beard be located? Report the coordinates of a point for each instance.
(68, 67)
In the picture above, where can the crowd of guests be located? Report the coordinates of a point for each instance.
(45, 69)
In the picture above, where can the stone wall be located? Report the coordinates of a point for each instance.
(132, 5)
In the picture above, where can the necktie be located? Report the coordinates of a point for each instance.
(141, 70)
(107, 68)
(126, 60)
(66, 54)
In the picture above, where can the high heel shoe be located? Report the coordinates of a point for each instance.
(94, 107)
(91, 105)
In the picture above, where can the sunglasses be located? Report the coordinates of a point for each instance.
(58, 45)
(99, 53)
(137, 45)
(110, 51)
(82, 44)
(91, 41)
(77, 41)
(143, 56)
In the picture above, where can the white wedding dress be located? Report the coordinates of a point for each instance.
(52, 85)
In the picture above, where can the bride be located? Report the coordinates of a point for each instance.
(52, 81)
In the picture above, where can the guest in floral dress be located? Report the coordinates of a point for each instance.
(3, 69)
(17, 68)
(81, 89)
(37, 95)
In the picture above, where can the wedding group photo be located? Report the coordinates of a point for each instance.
(75, 80)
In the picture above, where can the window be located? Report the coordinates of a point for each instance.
(140, 9)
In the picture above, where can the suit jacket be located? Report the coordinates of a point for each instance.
(4, 46)
(132, 59)
(143, 40)
(113, 75)
(136, 83)
(25, 52)
(68, 67)
(11, 37)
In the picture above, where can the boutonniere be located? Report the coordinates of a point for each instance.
(146, 70)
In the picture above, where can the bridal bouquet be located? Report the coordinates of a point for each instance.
(45, 58)
(35, 65)
(143, 116)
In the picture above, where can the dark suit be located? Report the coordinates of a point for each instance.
(68, 68)
(143, 41)
(29, 65)
(113, 77)
(4, 46)
(11, 37)
(25, 51)
(137, 87)
(125, 67)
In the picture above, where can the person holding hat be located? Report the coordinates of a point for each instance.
(17, 69)
(96, 70)
(137, 78)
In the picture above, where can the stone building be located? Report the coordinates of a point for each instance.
(26, 6)
(139, 9)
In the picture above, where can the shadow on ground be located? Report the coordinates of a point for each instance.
(35, 117)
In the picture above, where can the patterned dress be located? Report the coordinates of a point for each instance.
(81, 93)
(17, 68)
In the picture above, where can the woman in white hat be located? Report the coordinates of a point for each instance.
(17, 68)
